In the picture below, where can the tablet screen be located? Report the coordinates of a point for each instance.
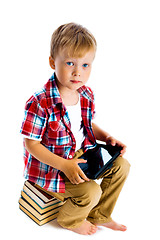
(105, 155)
(98, 159)
(95, 160)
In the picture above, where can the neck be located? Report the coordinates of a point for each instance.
(70, 99)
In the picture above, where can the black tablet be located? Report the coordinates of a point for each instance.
(99, 159)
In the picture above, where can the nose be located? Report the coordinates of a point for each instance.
(76, 72)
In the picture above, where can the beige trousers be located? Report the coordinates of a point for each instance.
(90, 200)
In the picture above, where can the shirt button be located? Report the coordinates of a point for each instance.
(70, 156)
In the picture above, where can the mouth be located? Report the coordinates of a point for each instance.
(75, 81)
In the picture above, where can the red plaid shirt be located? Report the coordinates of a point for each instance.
(47, 120)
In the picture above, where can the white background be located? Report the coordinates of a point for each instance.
(125, 78)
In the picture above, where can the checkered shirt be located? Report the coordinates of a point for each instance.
(46, 119)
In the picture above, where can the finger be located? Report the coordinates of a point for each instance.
(123, 147)
(81, 160)
(78, 180)
(123, 151)
(108, 140)
(121, 144)
(83, 176)
(113, 142)
(75, 181)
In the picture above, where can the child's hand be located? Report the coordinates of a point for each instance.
(113, 142)
(73, 172)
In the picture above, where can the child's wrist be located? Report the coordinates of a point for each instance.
(62, 166)
(108, 136)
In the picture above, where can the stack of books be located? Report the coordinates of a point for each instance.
(38, 204)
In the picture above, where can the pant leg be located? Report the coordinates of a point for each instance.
(79, 200)
(111, 186)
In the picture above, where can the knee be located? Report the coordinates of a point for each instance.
(91, 193)
(123, 166)
(94, 192)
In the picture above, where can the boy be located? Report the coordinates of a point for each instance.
(58, 128)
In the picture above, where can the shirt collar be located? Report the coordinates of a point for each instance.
(53, 91)
(86, 92)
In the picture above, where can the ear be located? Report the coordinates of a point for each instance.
(51, 63)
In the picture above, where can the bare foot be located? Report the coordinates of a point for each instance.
(86, 228)
(114, 226)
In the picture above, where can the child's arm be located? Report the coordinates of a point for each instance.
(69, 167)
(102, 135)
(99, 133)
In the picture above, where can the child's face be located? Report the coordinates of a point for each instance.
(72, 73)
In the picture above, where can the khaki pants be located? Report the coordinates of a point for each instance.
(90, 200)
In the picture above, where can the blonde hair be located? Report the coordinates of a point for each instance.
(74, 38)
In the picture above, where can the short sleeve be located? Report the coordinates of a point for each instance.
(93, 111)
(93, 106)
(34, 123)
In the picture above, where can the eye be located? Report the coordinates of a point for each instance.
(70, 63)
(85, 65)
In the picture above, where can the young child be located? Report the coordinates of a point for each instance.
(58, 127)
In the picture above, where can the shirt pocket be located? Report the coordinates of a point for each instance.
(58, 134)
